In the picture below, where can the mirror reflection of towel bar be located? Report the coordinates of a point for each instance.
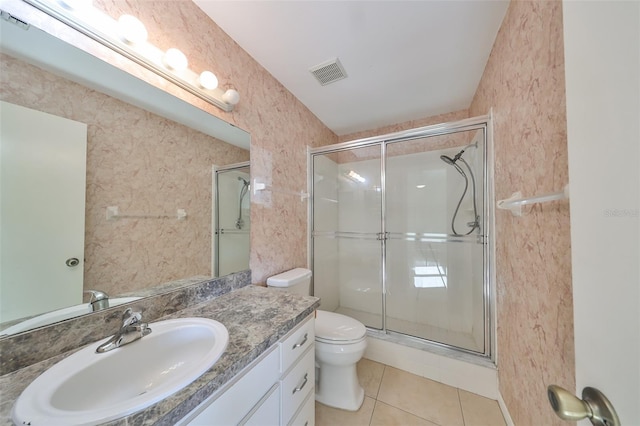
(222, 231)
(113, 214)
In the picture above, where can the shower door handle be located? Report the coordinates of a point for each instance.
(593, 405)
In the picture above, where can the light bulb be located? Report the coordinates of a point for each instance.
(132, 30)
(175, 60)
(208, 80)
(232, 97)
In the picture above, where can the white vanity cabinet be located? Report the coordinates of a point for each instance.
(278, 388)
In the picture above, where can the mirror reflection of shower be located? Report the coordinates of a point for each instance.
(475, 224)
(243, 192)
(231, 211)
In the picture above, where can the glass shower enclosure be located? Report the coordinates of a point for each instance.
(400, 233)
(231, 218)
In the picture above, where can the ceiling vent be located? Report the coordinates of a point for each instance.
(329, 71)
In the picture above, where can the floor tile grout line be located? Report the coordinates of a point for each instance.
(408, 412)
(375, 399)
(375, 402)
(384, 368)
(372, 411)
(464, 421)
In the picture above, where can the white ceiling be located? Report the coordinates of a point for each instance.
(404, 59)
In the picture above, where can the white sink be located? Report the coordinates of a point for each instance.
(88, 388)
(60, 315)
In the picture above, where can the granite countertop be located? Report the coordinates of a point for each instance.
(256, 317)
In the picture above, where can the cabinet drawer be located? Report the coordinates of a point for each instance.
(297, 384)
(307, 414)
(297, 343)
(267, 412)
(231, 404)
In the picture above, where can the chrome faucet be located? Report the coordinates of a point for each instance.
(99, 300)
(130, 331)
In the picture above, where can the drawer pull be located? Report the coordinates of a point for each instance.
(304, 382)
(304, 340)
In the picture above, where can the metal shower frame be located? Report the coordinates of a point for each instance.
(488, 222)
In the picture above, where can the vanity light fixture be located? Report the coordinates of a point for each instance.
(175, 60)
(208, 80)
(231, 97)
(132, 30)
(128, 36)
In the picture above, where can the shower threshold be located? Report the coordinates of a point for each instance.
(456, 347)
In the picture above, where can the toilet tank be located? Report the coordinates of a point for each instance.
(296, 281)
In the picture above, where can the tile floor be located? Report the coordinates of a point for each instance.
(395, 397)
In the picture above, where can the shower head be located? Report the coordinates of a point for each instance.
(244, 181)
(448, 160)
(452, 161)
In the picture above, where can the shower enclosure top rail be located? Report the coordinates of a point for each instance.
(420, 132)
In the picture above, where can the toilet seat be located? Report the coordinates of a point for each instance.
(339, 342)
(338, 329)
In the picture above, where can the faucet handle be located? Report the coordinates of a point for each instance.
(143, 328)
(99, 300)
(96, 295)
(129, 317)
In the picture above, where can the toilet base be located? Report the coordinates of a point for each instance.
(338, 387)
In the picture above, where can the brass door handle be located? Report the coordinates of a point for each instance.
(593, 405)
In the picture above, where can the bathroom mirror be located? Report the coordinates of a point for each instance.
(149, 157)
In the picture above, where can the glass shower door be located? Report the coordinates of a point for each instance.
(434, 249)
(347, 239)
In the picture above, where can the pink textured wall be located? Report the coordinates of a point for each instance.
(427, 121)
(280, 126)
(143, 164)
(524, 83)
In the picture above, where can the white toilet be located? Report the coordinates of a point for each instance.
(340, 343)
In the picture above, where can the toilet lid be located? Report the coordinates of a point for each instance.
(337, 327)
